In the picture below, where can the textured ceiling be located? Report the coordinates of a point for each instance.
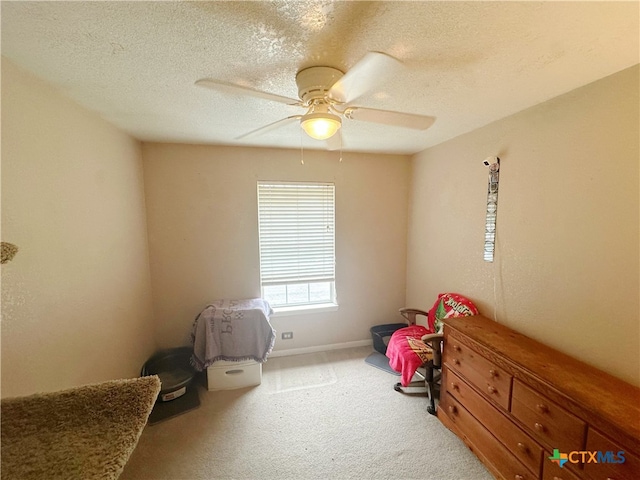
(465, 63)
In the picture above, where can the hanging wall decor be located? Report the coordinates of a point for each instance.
(492, 207)
(9, 251)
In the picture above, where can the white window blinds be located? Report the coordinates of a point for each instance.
(297, 232)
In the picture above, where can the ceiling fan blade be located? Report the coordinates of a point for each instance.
(240, 90)
(387, 117)
(374, 69)
(271, 126)
(334, 142)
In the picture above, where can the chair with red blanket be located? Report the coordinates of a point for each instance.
(416, 349)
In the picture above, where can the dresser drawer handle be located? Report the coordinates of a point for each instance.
(492, 389)
(523, 448)
(540, 427)
(456, 361)
(457, 348)
(542, 408)
(493, 373)
(452, 409)
(454, 386)
(519, 477)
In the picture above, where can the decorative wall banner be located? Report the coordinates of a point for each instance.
(492, 208)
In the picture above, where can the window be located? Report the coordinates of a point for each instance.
(297, 243)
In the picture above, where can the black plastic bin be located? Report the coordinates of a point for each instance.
(382, 333)
(178, 392)
(174, 369)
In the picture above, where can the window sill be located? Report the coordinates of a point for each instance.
(304, 309)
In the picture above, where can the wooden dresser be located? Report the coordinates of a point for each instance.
(513, 401)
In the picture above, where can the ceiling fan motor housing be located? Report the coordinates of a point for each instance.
(314, 82)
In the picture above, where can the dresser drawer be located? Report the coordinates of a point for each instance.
(489, 379)
(610, 452)
(552, 471)
(523, 447)
(484, 443)
(550, 423)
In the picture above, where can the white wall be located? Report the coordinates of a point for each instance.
(76, 299)
(567, 256)
(203, 235)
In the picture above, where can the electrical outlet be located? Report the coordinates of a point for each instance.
(287, 335)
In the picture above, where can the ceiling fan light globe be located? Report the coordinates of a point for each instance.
(320, 125)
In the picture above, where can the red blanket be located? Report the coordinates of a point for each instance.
(407, 352)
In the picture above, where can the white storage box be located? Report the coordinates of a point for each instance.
(224, 375)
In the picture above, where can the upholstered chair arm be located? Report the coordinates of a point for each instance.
(434, 340)
(411, 313)
(429, 337)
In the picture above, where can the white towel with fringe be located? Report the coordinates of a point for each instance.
(232, 330)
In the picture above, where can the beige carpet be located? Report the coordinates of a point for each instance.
(299, 372)
(319, 416)
(77, 434)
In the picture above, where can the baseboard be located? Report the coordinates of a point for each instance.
(320, 348)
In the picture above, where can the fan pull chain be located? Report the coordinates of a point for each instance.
(301, 150)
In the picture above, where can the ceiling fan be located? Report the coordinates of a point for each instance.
(326, 93)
